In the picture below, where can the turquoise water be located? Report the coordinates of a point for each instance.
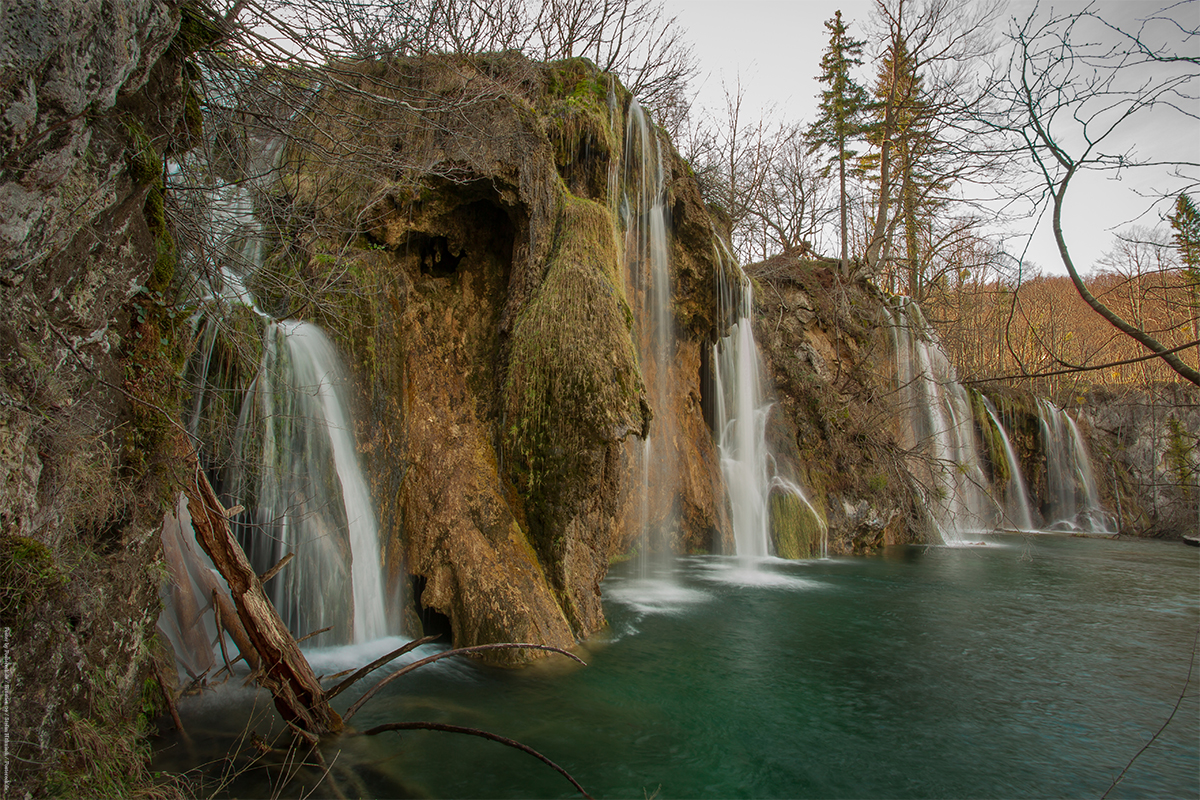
(1033, 666)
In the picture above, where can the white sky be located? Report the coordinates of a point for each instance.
(775, 47)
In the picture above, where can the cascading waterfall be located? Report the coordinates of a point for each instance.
(1018, 510)
(940, 428)
(311, 496)
(1073, 501)
(648, 271)
(741, 415)
(294, 463)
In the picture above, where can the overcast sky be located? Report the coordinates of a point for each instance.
(775, 47)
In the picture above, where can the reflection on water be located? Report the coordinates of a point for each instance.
(1035, 666)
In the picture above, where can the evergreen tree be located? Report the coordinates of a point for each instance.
(905, 144)
(840, 111)
(1186, 222)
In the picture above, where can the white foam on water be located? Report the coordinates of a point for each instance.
(653, 596)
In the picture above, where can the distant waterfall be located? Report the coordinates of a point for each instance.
(1073, 501)
(741, 415)
(644, 211)
(939, 427)
(1018, 511)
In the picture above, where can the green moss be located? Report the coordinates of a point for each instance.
(796, 527)
(573, 382)
(196, 32)
(992, 438)
(579, 124)
(28, 575)
(142, 159)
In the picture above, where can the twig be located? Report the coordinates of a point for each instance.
(314, 633)
(166, 693)
(1182, 692)
(273, 571)
(220, 633)
(377, 663)
(479, 648)
(437, 726)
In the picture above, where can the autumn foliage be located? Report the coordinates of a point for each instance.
(1040, 332)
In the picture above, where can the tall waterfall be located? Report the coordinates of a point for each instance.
(645, 214)
(940, 428)
(1018, 511)
(294, 464)
(1073, 501)
(741, 415)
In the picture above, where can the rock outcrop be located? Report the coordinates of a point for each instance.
(469, 256)
(835, 427)
(92, 95)
(1145, 448)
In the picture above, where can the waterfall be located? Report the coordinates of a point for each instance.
(645, 214)
(293, 461)
(741, 421)
(741, 415)
(940, 428)
(1018, 510)
(1069, 476)
(298, 461)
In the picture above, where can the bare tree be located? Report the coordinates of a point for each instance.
(1075, 84)
(635, 39)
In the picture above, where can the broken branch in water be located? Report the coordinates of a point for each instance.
(479, 648)
(376, 664)
(436, 726)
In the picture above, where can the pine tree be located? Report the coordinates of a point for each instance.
(840, 111)
(1186, 222)
(901, 133)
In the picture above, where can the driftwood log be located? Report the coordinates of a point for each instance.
(282, 668)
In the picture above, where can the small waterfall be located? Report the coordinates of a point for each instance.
(292, 460)
(1073, 501)
(940, 428)
(741, 416)
(645, 215)
(299, 463)
(1017, 507)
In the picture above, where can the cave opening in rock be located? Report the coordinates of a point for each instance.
(437, 258)
(433, 622)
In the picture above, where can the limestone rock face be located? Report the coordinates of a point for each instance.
(89, 103)
(1145, 449)
(834, 427)
(62, 60)
(471, 254)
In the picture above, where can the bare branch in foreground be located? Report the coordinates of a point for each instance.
(437, 726)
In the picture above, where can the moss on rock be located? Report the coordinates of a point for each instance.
(796, 527)
(573, 379)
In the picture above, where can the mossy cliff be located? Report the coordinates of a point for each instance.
(835, 426)
(468, 257)
(1145, 448)
(93, 98)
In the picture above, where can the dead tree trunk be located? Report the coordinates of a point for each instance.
(283, 669)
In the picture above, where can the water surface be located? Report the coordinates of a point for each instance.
(1031, 666)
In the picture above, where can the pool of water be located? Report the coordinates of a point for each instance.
(1028, 666)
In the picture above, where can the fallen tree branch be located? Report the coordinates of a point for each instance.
(479, 648)
(376, 664)
(273, 571)
(286, 673)
(437, 726)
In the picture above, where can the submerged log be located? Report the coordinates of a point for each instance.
(283, 669)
